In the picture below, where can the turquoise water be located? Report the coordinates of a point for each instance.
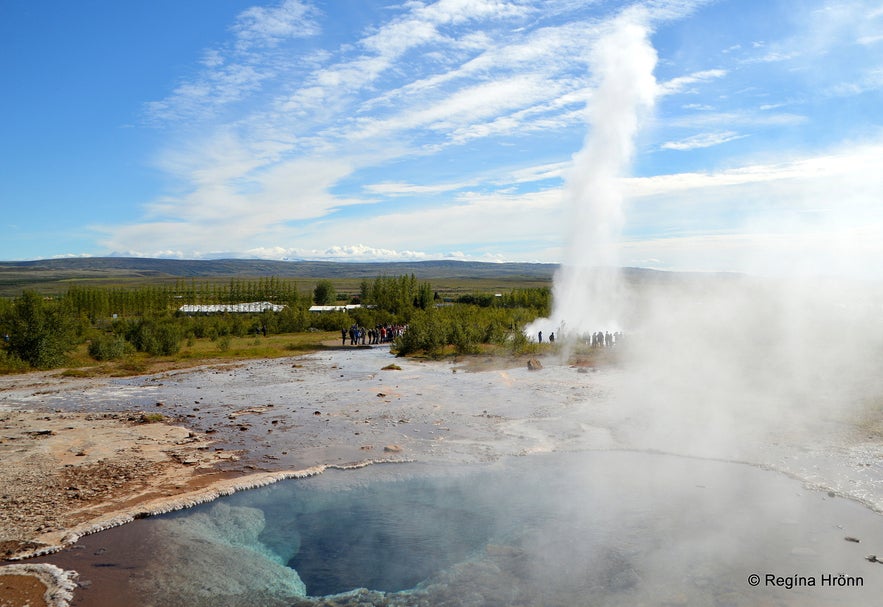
(600, 528)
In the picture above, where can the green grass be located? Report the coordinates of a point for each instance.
(198, 352)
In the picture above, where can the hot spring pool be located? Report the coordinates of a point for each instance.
(595, 528)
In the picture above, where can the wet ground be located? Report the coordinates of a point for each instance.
(588, 528)
(341, 407)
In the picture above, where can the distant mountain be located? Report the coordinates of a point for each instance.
(56, 275)
(89, 266)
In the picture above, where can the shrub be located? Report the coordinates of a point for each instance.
(40, 332)
(466, 327)
(224, 343)
(10, 363)
(156, 337)
(110, 347)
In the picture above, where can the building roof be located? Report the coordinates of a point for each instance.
(253, 307)
(345, 308)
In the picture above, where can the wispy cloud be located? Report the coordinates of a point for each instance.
(703, 140)
(810, 215)
(339, 127)
(403, 189)
(683, 83)
(481, 84)
(840, 166)
(260, 26)
(739, 117)
(233, 72)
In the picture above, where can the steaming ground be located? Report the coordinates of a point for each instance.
(691, 381)
(819, 420)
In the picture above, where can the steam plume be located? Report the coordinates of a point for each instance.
(586, 288)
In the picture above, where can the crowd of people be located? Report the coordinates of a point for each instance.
(380, 334)
(599, 339)
(604, 339)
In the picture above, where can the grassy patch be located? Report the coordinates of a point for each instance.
(197, 352)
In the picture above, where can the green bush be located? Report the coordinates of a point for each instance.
(156, 337)
(224, 343)
(110, 347)
(40, 331)
(465, 327)
(10, 363)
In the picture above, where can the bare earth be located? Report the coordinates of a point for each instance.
(79, 455)
(60, 470)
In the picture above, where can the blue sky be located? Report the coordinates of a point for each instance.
(362, 130)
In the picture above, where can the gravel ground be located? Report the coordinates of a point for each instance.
(74, 452)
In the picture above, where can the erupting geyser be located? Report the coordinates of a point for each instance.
(586, 288)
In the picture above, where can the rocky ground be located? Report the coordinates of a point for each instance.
(60, 470)
(77, 455)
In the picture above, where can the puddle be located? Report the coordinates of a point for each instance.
(596, 528)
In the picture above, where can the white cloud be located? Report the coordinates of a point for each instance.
(262, 26)
(232, 73)
(842, 253)
(870, 40)
(740, 117)
(498, 223)
(867, 80)
(497, 227)
(456, 73)
(851, 164)
(72, 256)
(541, 172)
(683, 83)
(355, 252)
(703, 140)
(501, 178)
(389, 188)
(813, 214)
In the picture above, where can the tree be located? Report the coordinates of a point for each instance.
(424, 297)
(157, 337)
(40, 333)
(324, 294)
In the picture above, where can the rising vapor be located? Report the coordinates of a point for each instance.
(587, 288)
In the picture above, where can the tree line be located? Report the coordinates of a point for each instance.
(39, 332)
(101, 302)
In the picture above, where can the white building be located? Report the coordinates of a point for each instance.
(255, 307)
(345, 308)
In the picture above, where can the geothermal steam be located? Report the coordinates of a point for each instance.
(586, 288)
(717, 364)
